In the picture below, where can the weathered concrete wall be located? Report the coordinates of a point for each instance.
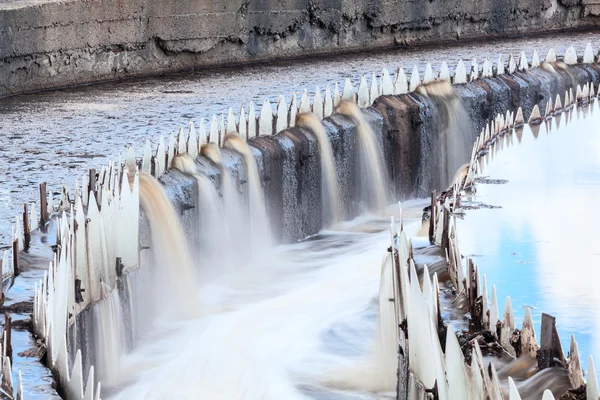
(46, 44)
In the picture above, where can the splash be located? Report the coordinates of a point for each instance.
(329, 185)
(454, 140)
(371, 172)
(260, 234)
(175, 283)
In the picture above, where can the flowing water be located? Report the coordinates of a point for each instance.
(371, 176)
(301, 335)
(331, 195)
(56, 136)
(537, 231)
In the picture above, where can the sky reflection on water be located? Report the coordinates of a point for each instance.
(542, 247)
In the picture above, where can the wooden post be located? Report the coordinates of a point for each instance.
(26, 228)
(92, 183)
(7, 332)
(43, 205)
(15, 254)
(550, 347)
(432, 217)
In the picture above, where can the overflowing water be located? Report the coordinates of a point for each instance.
(371, 175)
(260, 235)
(535, 233)
(178, 297)
(332, 212)
(453, 129)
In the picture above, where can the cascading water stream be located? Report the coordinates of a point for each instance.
(179, 294)
(332, 213)
(453, 129)
(372, 176)
(260, 232)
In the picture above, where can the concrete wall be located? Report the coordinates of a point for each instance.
(48, 43)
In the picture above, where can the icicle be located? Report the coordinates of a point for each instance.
(192, 142)
(535, 61)
(181, 141)
(535, 117)
(265, 119)
(570, 57)
(415, 79)
(202, 136)
(328, 106)
(282, 115)
(336, 95)
(252, 132)
(293, 110)
(519, 119)
(363, 93)
(304, 102)
(460, 74)
(231, 127)
(401, 84)
(474, 70)
(523, 63)
(348, 92)
(551, 56)
(428, 76)
(445, 72)
(374, 90)
(512, 65)
(243, 124)
(500, 66)
(387, 86)
(318, 106)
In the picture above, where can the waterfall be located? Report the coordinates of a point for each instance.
(454, 143)
(176, 283)
(329, 184)
(371, 172)
(213, 234)
(260, 233)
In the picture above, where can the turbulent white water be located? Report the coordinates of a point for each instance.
(298, 335)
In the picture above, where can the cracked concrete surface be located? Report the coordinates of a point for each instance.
(52, 43)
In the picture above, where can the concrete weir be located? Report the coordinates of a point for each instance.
(406, 125)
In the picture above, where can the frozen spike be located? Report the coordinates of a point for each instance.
(34, 218)
(578, 94)
(574, 364)
(7, 374)
(130, 161)
(317, 106)
(494, 310)
(535, 117)
(146, 157)
(181, 141)
(401, 83)
(293, 110)
(485, 305)
(535, 60)
(523, 63)
(348, 92)
(428, 76)
(328, 106)
(282, 115)
(528, 341)
(363, 93)
(571, 98)
(75, 389)
(548, 395)
(551, 56)
(214, 130)
(460, 74)
(585, 92)
(304, 102)
(374, 89)
(512, 64)
(265, 119)
(508, 120)
(202, 136)
(592, 92)
(192, 142)
(251, 121)
(588, 54)
(387, 86)
(593, 392)
(160, 157)
(231, 128)
(519, 119)
(415, 79)
(98, 387)
(336, 95)
(19, 386)
(567, 100)
(474, 70)
(508, 327)
(170, 150)
(487, 69)
(455, 367)
(549, 110)
(570, 57)
(558, 104)
(513, 392)
(500, 65)
(445, 72)
(89, 387)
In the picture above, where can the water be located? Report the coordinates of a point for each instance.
(260, 235)
(55, 136)
(453, 129)
(541, 246)
(331, 194)
(178, 297)
(371, 174)
(303, 334)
